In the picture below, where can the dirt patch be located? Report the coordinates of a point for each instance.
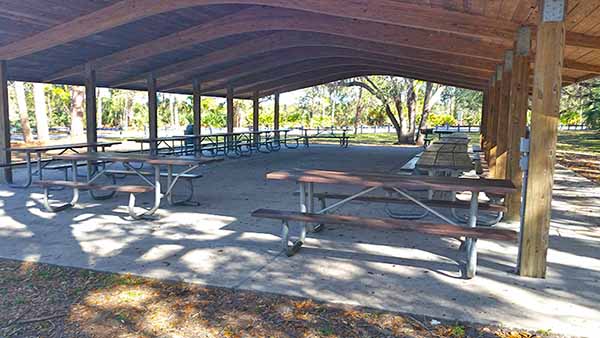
(40, 300)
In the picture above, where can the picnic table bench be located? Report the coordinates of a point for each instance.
(327, 133)
(157, 162)
(370, 181)
(42, 163)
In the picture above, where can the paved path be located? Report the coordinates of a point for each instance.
(219, 244)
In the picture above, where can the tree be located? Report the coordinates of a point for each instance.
(41, 112)
(77, 111)
(390, 91)
(430, 98)
(23, 111)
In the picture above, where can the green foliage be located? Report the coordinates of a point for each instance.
(441, 120)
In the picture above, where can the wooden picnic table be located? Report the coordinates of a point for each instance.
(126, 159)
(41, 163)
(370, 181)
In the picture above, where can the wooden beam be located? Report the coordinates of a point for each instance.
(266, 63)
(281, 41)
(544, 128)
(494, 122)
(197, 107)
(255, 78)
(281, 75)
(261, 19)
(321, 76)
(91, 118)
(5, 156)
(504, 117)
(152, 112)
(484, 117)
(385, 12)
(519, 94)
(276, 111)
(230, 94)
(255, 117)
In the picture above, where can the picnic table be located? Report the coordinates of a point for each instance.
(326, 133)
(156, 162)
(42, 163)
(369, 182)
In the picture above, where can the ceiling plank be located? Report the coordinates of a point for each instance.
(265, 63)
(333, 76)
(186, 70)
(261, 19)
(283, 76)
(383, 11)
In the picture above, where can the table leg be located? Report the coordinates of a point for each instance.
(471, 243)
(29, 179)
(157, 198)
(65, 206)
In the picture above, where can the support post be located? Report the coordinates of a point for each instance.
(276, 112)
(197, 106)
(91, 118)
(547, 85)
(255, 113)
(490, 117)
(519, 93)
(503, 117)
(230, 109)
(484, 116)
(152, 113)
(5, 158)
(494, 122)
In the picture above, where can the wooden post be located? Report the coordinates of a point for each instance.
(276, 112)
(547, 85)
(490, 117)
(255, 111)
(197, 107)
(494, 122)
(484, 116)
(5, 158)
(152, 112)
(91, 118)
(503, 117)
(255, 117)
(519, 92)
(230, 109)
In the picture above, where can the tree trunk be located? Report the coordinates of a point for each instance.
(411, 101)
(358, 110)
(23, 111)
(424, 112)
(77, 111)
(41, 113)
(395, 122)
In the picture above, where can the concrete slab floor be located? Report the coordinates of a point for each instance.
(218, 243)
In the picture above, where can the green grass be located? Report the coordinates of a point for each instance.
(587, 142)
(568, 141)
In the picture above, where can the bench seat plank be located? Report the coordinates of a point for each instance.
(87, 186)
(442, 230)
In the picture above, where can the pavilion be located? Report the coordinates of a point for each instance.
(511, 50)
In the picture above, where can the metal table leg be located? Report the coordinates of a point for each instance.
(471, 243)
(29, 174)
(66, 205)
(157, 197)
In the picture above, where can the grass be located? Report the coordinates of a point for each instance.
(583, 142)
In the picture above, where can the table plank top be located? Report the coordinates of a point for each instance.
(447, 148)
(374, 179)
(445, 161)
(62, 147)
(145, 158)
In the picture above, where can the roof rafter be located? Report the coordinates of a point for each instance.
(261, 19)
(188, 69)
(256, 67)
(382, 11)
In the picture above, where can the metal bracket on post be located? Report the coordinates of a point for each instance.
(553, 11)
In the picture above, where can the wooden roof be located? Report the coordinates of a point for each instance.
(269, 46)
